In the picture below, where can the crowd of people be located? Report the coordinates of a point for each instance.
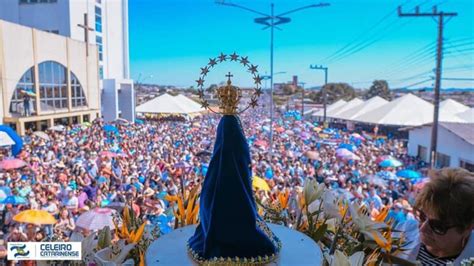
(100, 164)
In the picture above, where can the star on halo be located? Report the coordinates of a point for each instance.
(253, 69)
(234, 57)
(212, 62)
(200, 82)
(258, 80)
(244, 61)
(222, 57)
(204, 70)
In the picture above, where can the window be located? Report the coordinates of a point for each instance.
(98, 41)
(53, 86)
(98, 19)
(101, 72)
(23, 101)
(466, 165)
(78, 98)
(422, 153)
(442, 160)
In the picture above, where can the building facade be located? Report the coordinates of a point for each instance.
(107, 23)
(46, 79)
(455, 146)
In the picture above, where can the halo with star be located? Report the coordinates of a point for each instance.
(232, 57)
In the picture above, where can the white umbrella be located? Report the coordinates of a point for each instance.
(57, 128)
(96, 219)
(42, 135)
(5, 140)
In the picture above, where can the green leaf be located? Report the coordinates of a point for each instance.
(319, 233)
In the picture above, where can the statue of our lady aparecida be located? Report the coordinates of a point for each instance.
(230, 231)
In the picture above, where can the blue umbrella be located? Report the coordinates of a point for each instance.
(138, 121)
(387, 175)
(391, 162)
(14, 200)
(410, 174)
(348, 146)
(110, 128)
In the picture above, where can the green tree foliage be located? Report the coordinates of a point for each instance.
(379, 88)
(335, 92)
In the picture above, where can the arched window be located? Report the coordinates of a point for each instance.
(52, 86)
(52, 89)
(78, 97)
(24, 95)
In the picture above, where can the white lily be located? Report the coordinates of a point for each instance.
(331, 205)
(312, 191)
(115, 255)
(340, 259)
(366, 225)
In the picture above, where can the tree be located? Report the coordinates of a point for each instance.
(379, 88)
(335, 92)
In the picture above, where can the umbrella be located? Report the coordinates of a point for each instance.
(260, 183)
(96, 219)
(346, 154)
(377, 180)
(387, 175)
(317, 129)
(122, 121)
(34, 217)
(138, 121)
(313, 155)
(42, 135)
(392, 162)
(9, 164)
(5, 139)
(348, 146)
(357, 136)
(57, 128)
(410, 174)
(14, 200)
(110, 128)
(28, 92)
(383, 158)
(305, 135)
(290, 132)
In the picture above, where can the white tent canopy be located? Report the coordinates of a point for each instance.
(369, 105)
(167, 104)
(452, 107)
(349, 105)
(330, 108)
(408, 110)
(467, 115)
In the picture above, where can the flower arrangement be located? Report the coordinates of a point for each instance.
(346, 232)
(185, 207)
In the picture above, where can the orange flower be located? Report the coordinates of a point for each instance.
(382, 215)
(283, 199)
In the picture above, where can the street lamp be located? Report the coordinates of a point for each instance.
(325, 96)
(271, 21)
(302, 98)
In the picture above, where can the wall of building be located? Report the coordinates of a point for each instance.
(114, 45)
(127, 100)
(23, 47)
(45, 16)
(110, 100)
(448, 143)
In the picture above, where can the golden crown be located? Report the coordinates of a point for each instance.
(229, 96)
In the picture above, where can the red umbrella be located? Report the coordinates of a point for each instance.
(261, 143)
(280, 130)
(9, 164)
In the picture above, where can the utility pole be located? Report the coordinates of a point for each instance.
(302, 99)
(439, 59)
(325, 96)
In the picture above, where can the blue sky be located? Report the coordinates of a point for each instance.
(171, 39)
